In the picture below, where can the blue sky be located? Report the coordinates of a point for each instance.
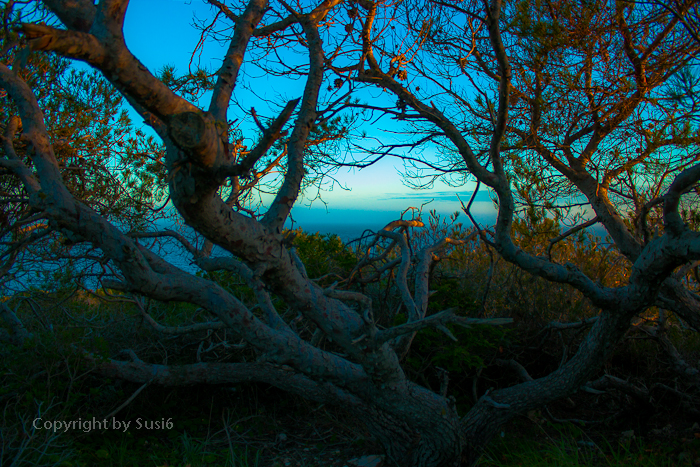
(159, 33)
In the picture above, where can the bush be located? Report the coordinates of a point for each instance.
(324, 255)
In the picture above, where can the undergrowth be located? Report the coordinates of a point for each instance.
(50, 377)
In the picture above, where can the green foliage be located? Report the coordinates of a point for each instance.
(190, 85)
(107, 163)
(433, 349)
(451, 292)
(50, 377)
(50, 372)
(104, 160)
(230, 281)
(323, 254)
(46, 378)
(553, 445)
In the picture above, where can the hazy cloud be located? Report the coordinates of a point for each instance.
(482, 196)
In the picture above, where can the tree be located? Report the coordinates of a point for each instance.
(553, 102)
(103, 162)
(560, 85)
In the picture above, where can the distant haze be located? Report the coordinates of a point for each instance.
(349, 224)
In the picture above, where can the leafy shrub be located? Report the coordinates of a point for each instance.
(323, 255)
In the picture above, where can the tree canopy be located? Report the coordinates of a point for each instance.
(104, 161)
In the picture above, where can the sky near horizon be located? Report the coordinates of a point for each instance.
(160, 33)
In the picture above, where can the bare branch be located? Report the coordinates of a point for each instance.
(279, 210)
(314, 16)
(110, 16)
(680, 366)
(253, 280)
(224, 373)
(362, 299)
(74, 44)
(609, 381)
(168, 233)
(15, 163)
(493, 22)
(224, 9)
(77, 14)
(575, 325)
(133, 79)
(228, 73)
(270, 135)
(437, 320)
(568, 233)
(177, 330)
(672, 219)
(128, 401)
(19, 332)
(517, 367)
